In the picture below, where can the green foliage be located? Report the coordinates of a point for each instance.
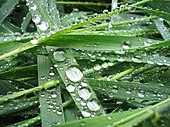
(73, 63)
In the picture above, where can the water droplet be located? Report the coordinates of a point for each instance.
(110, 64)
(59, 55)
(70, 88)
(36, 19)
(18, 39)
(34, 41)
(84, 84)
(136, 59)
(43, 26)
(97, 67)
(56, 65)
(105, 11)
(84, 93)
(147, 43)
(105, 65)
(109, 118)
(85, 113)
(53, 94)
(34, 7)
(127, 44)
(93, 105)
(42, 77)
(141, 94)
(74, 74)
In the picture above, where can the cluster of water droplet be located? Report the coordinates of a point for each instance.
(76, 85)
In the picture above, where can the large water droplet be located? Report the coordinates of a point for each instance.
(70, 88)
(93, 105)
(127, 44)
(43, 26)
(84, 93)
(59, 55)
(74, 74)
(85, 114)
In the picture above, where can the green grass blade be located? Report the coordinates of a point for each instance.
(27, 123)
(18, 105)
(6, 8)
(74, 80)
(163, 29)
(26, 21)
(162, 14)
(51, 109)
(47, 85)
(125, 118)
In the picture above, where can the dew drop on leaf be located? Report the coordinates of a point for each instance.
(105, 65)
(84, 93)
(85, 113)
(36, 19)
(84, 84)
(127, 44)
(136, 59)
(34, 7)
(74, 74)
(97, 67)
(70, 88)
(34, 41)
(93, 105)
(59, 55)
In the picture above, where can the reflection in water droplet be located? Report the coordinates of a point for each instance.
(85, 113)
(70, 88)
(59, 55)
(74, 74)
(84, 93)
(93, 105)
